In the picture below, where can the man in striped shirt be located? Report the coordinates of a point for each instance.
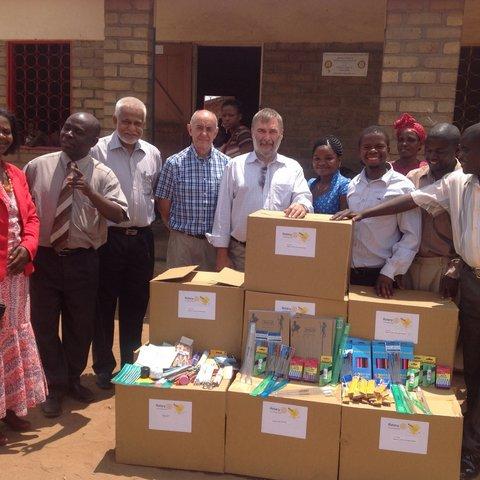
(187, 194)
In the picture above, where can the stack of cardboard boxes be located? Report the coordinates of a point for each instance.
(292, 266)
(183, 427)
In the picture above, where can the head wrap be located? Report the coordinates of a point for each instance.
(407, 121)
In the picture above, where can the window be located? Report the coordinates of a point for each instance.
(39, 90)
(467, 99)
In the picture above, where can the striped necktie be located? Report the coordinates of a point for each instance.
(63, 214)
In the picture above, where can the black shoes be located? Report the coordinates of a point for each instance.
(77, 391)
(469, 466)
(51, 406)
(103, 381)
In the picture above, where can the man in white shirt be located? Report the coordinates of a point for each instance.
(459, 194)
(127, 259)
(262, 179)
(382, 248)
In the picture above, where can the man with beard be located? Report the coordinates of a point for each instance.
(262, 179)
(127, 259)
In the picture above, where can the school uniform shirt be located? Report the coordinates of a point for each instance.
(459, 194)
(437, 237)
(46, 175)
(137, 174)
(389, 242)
(246, 188)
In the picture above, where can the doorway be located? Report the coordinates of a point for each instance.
(231, 72)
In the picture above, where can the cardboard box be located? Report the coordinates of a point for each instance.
(308, 257)
(204, 306)
(282, 438)
(423, 318)
(178, 427)
(291, 304)
(378, 443)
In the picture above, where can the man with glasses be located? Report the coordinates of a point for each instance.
(262, 179)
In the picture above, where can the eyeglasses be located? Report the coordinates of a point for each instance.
(261, 180)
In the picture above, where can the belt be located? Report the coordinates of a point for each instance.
(365, 270)
(199, 237)
(129, 231)
(238, 241)
(66, 252)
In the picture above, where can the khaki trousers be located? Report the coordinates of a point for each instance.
(426, 273)
(186, 250)
(236, 252)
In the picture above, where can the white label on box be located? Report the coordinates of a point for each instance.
(170, 415)
(403, 435)
(286, 420)
(295, 241)
(304, 308)
(396, 326)
(199, 305)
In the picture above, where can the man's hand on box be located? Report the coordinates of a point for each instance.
(295, 210)
(384, 286)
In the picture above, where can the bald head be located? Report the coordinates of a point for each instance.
(472, 132)
(79, 134)
(204, 114)
(445, 131)
(203, 129)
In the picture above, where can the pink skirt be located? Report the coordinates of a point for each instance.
(22, 380)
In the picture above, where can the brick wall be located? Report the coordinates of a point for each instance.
(128, 55)
(420, 65)
(342, 106)
(87, 77)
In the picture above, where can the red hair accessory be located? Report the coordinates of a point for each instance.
(407, 121)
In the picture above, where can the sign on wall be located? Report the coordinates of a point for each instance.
(344, 64)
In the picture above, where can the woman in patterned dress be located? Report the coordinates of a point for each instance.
(329, 187)
(22, 381)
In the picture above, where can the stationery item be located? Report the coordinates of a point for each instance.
(260, 364)
(296, 368)
(325, 372)
(380, 361)
(444, 377)
(413, 375)
(248, 355)
(427, 369)
(338, 355)
(310, 370)
(156, 357)
(128, 375)
(144, 372)
(312, 336)
(272, 322)
(184, 352)
(361, 358)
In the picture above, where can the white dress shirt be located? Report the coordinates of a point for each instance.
(389, 242)
(137, 174)
(459, 194)
(241, 193)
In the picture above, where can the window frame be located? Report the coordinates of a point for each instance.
(10, 83)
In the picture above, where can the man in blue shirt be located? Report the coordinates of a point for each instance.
(187, 194)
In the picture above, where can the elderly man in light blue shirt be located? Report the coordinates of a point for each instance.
(262, 179)
(127, 259)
